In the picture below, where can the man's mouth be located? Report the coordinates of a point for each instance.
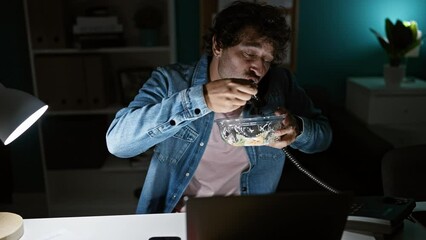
(255, 79)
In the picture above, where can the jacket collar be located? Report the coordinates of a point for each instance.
(201, 72)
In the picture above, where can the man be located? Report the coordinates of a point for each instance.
(175, 111)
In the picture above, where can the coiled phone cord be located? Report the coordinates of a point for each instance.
(307, 173)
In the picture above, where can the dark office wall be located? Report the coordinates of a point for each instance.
(15, 72)
(14, 68)
(334, 40)
(187, 30)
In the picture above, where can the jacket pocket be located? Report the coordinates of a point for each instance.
(270, 156)
(176, 147)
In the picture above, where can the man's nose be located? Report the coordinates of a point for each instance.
(258, 68)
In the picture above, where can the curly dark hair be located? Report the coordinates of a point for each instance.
(266, 20)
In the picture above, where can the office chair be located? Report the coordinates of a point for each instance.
(404, 172)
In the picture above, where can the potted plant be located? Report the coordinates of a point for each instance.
(148, 19)
(402, 39)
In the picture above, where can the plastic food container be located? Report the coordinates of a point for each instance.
(256, 131)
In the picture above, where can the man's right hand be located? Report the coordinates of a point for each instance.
(226, 95)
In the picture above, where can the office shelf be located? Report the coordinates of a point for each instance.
(101, 111)
(84, 88)
(158, 49)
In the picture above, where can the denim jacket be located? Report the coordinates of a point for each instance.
(170, 113)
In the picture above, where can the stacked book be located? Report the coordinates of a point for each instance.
(98, 32)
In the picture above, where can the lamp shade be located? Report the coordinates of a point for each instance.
(18, 111)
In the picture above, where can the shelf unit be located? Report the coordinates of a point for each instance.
(83, 87)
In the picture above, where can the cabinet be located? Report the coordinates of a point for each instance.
(395, 114)
(87, 57)
(371, 101)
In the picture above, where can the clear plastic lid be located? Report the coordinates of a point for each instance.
(255, 131)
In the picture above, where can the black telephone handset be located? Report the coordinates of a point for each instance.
(377, 215)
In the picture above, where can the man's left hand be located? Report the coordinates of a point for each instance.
(289, 131)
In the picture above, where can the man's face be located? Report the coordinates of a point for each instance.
(250, 59)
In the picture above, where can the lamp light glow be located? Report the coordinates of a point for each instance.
(18, 111)
(25, 125)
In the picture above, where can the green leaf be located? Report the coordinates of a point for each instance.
(413, 28)
(402, 36)
(388, 28)
(383, 41)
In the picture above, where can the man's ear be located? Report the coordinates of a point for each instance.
(216, 49)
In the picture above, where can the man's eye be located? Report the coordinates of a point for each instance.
(267, 61)
(248, 55)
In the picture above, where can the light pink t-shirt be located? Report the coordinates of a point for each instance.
(220, 167)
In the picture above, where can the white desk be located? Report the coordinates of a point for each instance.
(128, 227)
(142, 227)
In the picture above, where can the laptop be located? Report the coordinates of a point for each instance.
(298, 215)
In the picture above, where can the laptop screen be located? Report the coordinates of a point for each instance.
(301, 215)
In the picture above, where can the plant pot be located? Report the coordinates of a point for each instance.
(393, 76)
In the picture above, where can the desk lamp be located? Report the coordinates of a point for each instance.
(18, 111)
